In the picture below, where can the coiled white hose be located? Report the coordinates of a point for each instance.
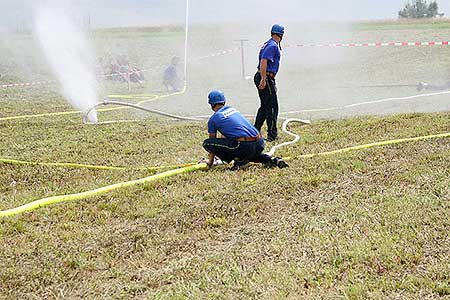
(199, 118)
(285, 130)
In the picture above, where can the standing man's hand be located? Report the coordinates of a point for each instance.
(262, 84)
(263, 71)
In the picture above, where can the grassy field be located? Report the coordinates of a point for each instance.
(410, 24)
(369, 224)
(309, 77)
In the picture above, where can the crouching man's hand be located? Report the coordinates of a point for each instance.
(209, 161)
(204, 161)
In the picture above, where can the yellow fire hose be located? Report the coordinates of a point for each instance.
(89, 194)
(145, 98)
(62, 113)
(100, 191)
(377, 144)
(92, 167)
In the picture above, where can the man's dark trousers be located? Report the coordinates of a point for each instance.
(229, 150)
(269, 106)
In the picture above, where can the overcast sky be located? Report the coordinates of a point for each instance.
(111, 13)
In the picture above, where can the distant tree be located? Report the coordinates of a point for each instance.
(418, 9)
(433, 9)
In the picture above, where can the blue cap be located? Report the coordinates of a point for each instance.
(277, 29)
(215, 97)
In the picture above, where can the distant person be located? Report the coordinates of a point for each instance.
(269, 63)
(123, 61)
(114, 71)
(124, 67)
(433, 87)
(171, 79)
(123, 71)
(100, 67)
(242, 142)
(136, 75)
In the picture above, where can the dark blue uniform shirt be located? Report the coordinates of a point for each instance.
(270, 51)
(231, 123)
(170, 73)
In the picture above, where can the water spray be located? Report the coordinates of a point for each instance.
(68, 52)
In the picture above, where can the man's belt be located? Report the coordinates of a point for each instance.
(249, 138)
(270, 74)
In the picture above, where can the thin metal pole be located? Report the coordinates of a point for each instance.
(186, 40)
(243, 57)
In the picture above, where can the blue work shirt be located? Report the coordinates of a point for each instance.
(270, 51)
(170, 73)
(231, 123)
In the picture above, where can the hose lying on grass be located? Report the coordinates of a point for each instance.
(91, 167)
(377, 144)
(97, 192)
(89, 194)
(136, 106)
(100, 191)
(143, 97)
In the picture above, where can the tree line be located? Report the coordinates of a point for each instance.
(419, 9)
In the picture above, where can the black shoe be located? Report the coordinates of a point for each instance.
(270, 139)
(276, 162)
(280, 163)
(239, 164)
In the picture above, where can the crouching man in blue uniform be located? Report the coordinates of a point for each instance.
(242, 142)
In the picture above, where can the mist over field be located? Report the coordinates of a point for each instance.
(310, 78)
(68, 53)
(356, 207)
(144, 13)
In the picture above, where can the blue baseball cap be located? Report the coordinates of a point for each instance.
(277, 29)
(216, 97)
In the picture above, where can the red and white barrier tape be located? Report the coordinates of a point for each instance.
(220, 53)
(125, 74)
(30, 84)
(224, 52)
(27, 84)
(376, 44)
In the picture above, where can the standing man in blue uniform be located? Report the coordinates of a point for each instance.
(171, 80)
(269, 63)
(242, 142)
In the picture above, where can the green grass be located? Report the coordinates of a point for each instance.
(369, 224)
(403, 24)
(309, 78)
